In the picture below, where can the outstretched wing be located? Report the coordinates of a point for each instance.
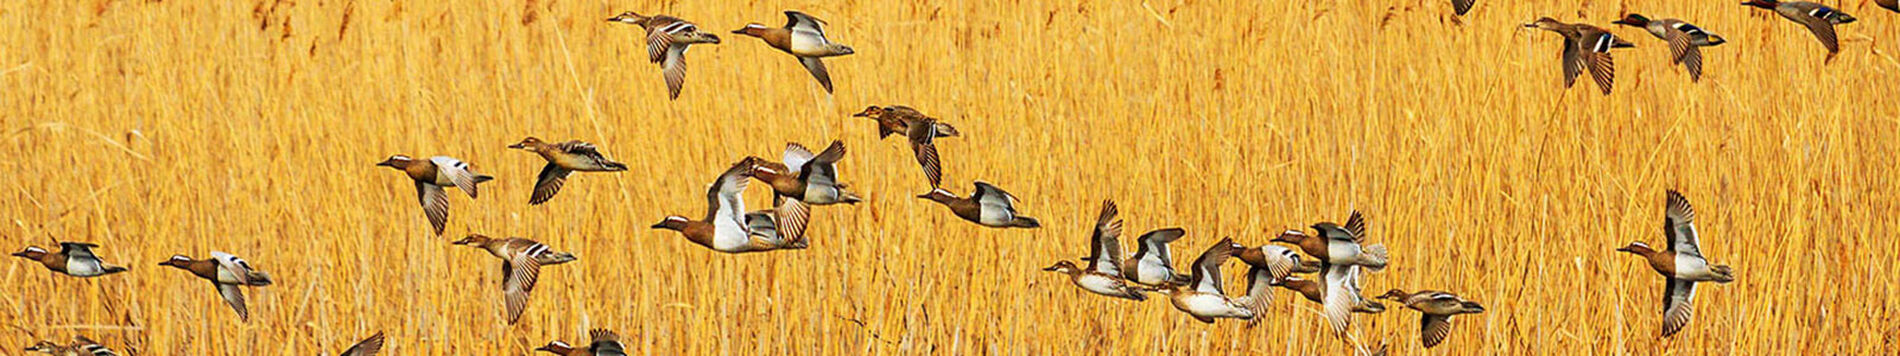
(1105, 249)
(799, 21)
(1679, 225)
(923, 135)
(435, 204)
(522, 272)
(368, 347)
(457, 172)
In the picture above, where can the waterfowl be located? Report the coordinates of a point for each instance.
(1463, 6)
(1889, 4)
(1153, 262)
(520, 268)
(1681, 263)
(1103, 276)
(1339, 245)
(73, 259)
(227, 273)
(898, 118)
(1343, 296)
(1312, 290)
(802, 37)
(923, 136)
(1436, 309)
(605, 343)
(563, 158)
(431, 177)
(1585, 46)
(368, 347)
(1208, 300)
(988, 206)
(1269, 266)
(81, 346)
(667, 39)
(809, 178)
(728, 228)
(1684, 40)
(1819, 19)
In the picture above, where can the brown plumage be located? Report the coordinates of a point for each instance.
(563, 158)
(368, 347)
(73, 259)
(432, 176)
(604, 343)
(899, 118)
(520, 268)
(1585, 47)
(226, 272)
(1436, 309)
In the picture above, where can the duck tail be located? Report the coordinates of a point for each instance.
(1025, 222)
(1375, 257)
(1135, 294)
(616, 166)
(260, 279)
(559, 258)
(945, 130)
(848, 197)
(110, 269)
(1472, 307)
(481, 178)
(1716, 40)
(1723, 274)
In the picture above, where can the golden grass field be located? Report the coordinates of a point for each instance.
(155, 128)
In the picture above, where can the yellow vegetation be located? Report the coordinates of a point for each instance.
(155, 128)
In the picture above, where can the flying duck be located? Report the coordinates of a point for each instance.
(1153, 262)
(1269, 266)
(605, 343)
(1103, 276)
(1585, 46)
(1436, 309)
(1681, 263)
(728, 228)
(368, 347)
(81, 346)
(1207, 299)
(988, 206)
(563, 158)
(1819, 19)
(1339, 245)
(1343, 296)
(431, 176)
(1312, 290)
(667, 39)
(1684, 40)
(923, 136)
(73, 259)
(802, 37)
(227, 273)
(520, 267)
(898, 118)
(809, 178)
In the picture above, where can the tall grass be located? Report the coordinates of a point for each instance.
(155, 128)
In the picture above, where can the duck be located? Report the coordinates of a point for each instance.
(1309, 289)
(1103, 275)
(1343, 297)
(605, 343)
(1819, 19)
(1681, 262)
(1153, 262)
(728, 228)
(988, 206)
(898, 118)
(1585, 46)
(226, 272)
(809, 178)
(520, 267)
(367, 347)
(81, 346)
(73, 259)
(431, 177)
(1436, 309)
(1889, 4)
(1339, 245)
(1685, 40)
(804, 37)
(667, 40)
(563, 158)
(1462, 6)
(923, 144)
(1207, 300)
(1269, 266)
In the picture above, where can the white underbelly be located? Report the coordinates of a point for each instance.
(1152, 272)
(1209, 305)
(995, 217)
(1100, 285)
(225, 276)
(83, 268)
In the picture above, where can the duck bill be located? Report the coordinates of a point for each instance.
(20, 254)
(516, 146)
(1626, 21)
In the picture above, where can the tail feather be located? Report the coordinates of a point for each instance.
(259, 278)
(481, 178)
(616, 166)
(1375, 256)
(1025, 222)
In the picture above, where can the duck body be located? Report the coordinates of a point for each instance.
(1819, 19)
(898, 119)
(1436, 310)
(74, 259)
(989, 206)
(1153, 263)
(807, 177)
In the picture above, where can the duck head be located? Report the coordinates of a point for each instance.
(1062, 267)
(1633, 20)
(1545, 23)
(1394, 294)
(761, 171)
(1765, 4)
(1638, 248)
(531, 143)
(1290, 237)
(872, 111)
(44, 346)
(751, 29)
(557, 347)
(397, 161)
(477, 240)
(675, 223)
(180, 261)
(939, 195)
(698, 37)
(31, 252)
(629, 17)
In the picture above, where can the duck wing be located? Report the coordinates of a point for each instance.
(457, 172)
(435, 204)
(923, 137)
(1679, 225)
(1678, 308)
(368, 347)
(1105, 248)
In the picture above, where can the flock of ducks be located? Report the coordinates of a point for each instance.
(1588, 47)
(1338, 254)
